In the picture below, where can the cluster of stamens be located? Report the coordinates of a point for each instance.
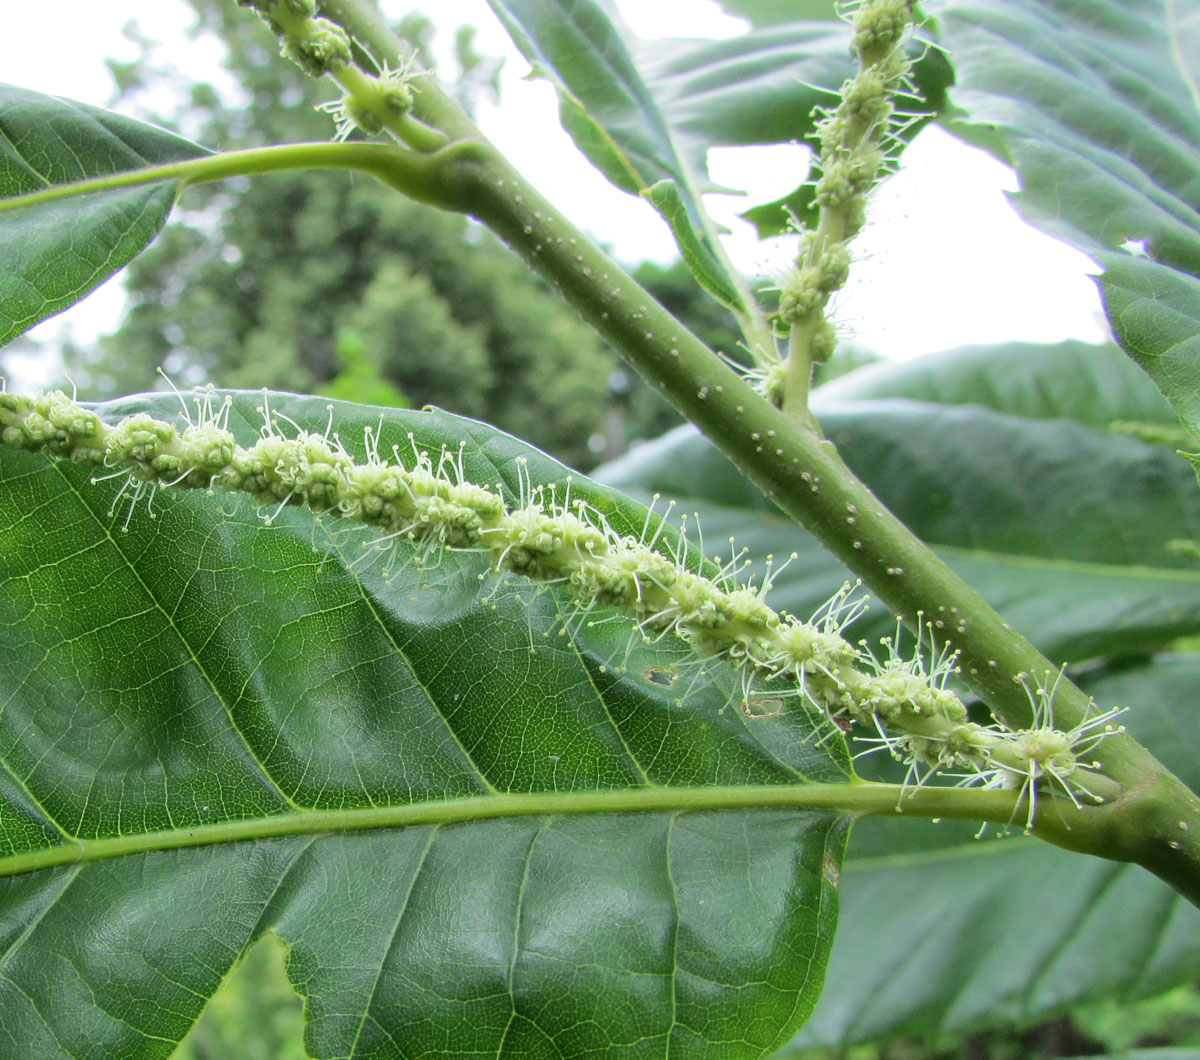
(544, 534)
(319, 46)
(856, 141)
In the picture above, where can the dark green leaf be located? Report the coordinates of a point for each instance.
(1021, 930)
(992, 932)
(54, 253)
(203, 677)
(1096, 106)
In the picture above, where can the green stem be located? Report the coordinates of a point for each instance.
(799, 373)
(857, 799)
(412, 174)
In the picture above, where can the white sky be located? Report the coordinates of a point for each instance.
(944, 261)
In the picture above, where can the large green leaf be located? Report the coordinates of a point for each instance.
(1010, 931)
(1096, 106)
(213, 728)
(770, 12)
(56, 252)
(1068, 380)
(1062, 524)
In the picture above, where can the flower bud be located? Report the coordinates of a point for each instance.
(323, 49)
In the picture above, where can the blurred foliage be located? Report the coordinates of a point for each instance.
(255, 1015)
(1106, 1030)
(1172, 1018)
(329, 282)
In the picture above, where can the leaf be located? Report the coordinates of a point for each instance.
(941, 932)
(214, 728)
(1010, 932)
(1096, 106)
(1069, 531)
(647, 111)
(769, 12)
(758, 87)
(1149, 1054)
(1093, 385)
(56, 252)
(994, 933)
(255, 1015)
(609, 111)
(666, 199)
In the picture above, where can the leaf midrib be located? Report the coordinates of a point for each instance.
(851, 798)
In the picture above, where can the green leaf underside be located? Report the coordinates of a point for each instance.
(1097, 109)
(1072, 380)
(1021, 931)
(205, 673)
(606, 107)
(59, 251)
(767, 12)
(997, 932)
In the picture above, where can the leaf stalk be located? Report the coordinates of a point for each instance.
(857, 799)
(413, 174)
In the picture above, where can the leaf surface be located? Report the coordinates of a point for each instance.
(1079, 381)
(768, 12)
(1010, 931)
(765, 87)
(56, 252)
(1096, 107)
(213, 728)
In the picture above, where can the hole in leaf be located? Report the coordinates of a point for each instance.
(762, 707)
(659, 675)
(254, 1015)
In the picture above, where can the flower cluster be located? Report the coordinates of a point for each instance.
(373, 102)
(554, 539)
(320, 46)
(855, 140)
(317, 45)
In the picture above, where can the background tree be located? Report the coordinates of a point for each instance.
(328, 282)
